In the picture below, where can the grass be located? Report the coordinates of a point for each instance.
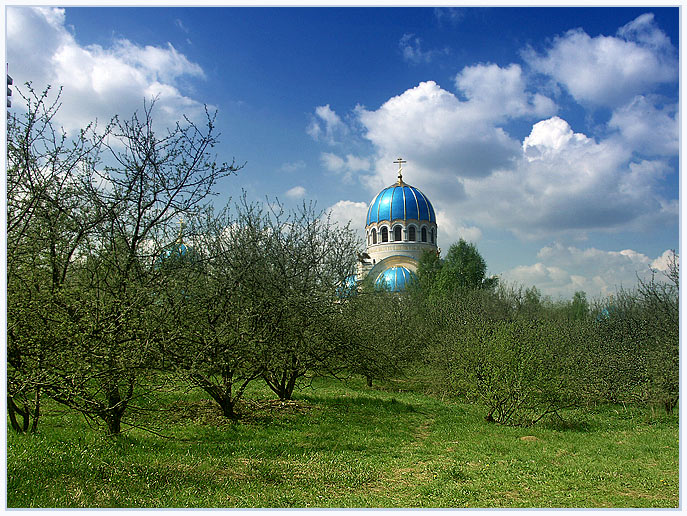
(345, 445)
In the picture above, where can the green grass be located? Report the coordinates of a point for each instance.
(344, 445)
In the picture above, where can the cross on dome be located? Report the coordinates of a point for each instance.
(400, 162)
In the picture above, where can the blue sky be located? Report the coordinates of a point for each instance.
(547, 136)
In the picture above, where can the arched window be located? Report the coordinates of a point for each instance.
(431, 236)
(411, 233)
(385, 235)
(374, 236)
(424, 234)
(397, 233)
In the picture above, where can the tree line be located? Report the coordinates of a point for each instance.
(108, 295)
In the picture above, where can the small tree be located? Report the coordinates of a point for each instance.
(377, 325)
(223, 320)
(307, 259)
(521, 371)
(49, 220)
(464, 269)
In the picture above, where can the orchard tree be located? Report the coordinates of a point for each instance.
(50, 219)
(307, 258)
(223, 321)
(96, 276)
(463, 269)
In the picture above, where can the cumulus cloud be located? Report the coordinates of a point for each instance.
(500, 92)
(345, 212)
(326, 125)
(436, 131)
(411, 49)
(98, 82)
(562, 270)
(648, 129)
(568, 182)
(557, 180)
(346, 166)
(451, 230)
(665, 261)
(609, 70)
(297, 192)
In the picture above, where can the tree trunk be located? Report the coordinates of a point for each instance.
(369, 381)
(36, 412)
(228, 408)
(112, 415)
(13, 410)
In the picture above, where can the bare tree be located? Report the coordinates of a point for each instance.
(49, 219)
(100, 314)
(307, 257)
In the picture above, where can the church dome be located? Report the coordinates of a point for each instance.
(400, 201)
(395, 279)
(176, 254)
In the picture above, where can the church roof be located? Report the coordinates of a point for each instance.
(395, 279)
(400, 201)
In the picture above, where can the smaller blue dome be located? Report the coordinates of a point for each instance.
(395, 279)
(176, 253)
(349, 287)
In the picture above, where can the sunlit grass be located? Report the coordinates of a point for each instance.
(344, 445)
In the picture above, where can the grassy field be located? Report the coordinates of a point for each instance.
(345, 445)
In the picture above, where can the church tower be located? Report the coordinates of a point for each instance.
(400, 226)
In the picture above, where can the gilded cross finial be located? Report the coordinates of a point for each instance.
(181, 228)
(400, 162)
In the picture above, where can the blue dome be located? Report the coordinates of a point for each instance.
(395, 279)
(349, 287)
(176, 253)
(400, 201)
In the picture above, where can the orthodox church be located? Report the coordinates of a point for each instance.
(400, 226)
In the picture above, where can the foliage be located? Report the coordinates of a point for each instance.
(84, 324)
(49, 220)
(464, 269)
(306, 259)
(381, 336)
(640, 333)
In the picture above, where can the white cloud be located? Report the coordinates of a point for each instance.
(557, 181)
(326, 125)
(609, 70)
(435, 131)
(345, 166)
(98, 82)
(663, 262)
(411, 49)
(294, 166)
(297, 192)
(451, 14)
(345, 212)
(568, 183)
(500, 92)
(562, 270)
(646, 128)
(181, 25)
(550, 137)
(450, 230)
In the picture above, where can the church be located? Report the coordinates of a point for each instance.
(400, 226)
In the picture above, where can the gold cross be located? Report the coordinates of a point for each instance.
(400, 162)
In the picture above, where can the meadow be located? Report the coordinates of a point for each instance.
(343, 444)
